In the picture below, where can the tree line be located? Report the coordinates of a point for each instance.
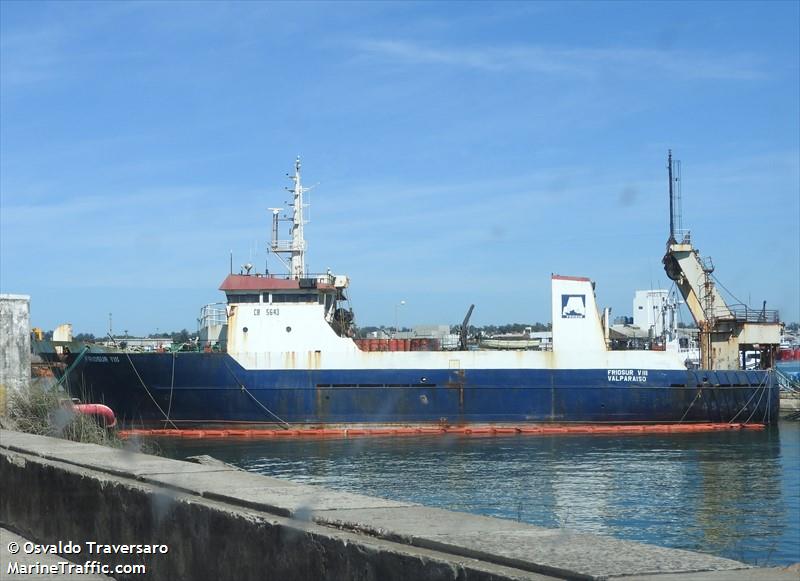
(181, 336)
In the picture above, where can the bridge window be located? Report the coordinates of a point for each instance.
(252, 298)
(295, 297)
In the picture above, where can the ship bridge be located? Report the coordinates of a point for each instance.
(253, 298)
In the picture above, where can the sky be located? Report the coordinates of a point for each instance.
(460, 152)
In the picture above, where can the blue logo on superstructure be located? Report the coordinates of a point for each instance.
(573, 306)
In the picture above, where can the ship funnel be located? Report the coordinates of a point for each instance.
(576, 322)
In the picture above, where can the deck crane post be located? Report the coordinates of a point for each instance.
(727, 333)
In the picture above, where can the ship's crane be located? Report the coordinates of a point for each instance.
(464, 329)
(727, 333)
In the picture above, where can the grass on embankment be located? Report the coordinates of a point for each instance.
(46, 410)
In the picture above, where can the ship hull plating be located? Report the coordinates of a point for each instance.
(212, 389)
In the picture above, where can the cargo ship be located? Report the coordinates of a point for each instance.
(280, 352)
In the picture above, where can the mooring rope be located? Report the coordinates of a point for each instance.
(758, 403)
(148, 391)
(744, 407)
(699, 392)
(171, 385)
(242, 387)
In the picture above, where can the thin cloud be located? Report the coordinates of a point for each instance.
(572, 62)
(76, 207)
(55, 49)
(31, 57)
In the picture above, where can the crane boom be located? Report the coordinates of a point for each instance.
(726, 332)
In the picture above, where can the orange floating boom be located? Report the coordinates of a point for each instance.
(534, 430)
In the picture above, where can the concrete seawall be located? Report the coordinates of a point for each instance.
(15, 346)
(222, 523)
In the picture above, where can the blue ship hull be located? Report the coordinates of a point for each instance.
(212, 389)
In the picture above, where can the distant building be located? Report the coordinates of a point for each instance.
(545, 339)
(139, 343)
(653, 312)
(442, 333)
(379, 334)
(428, 332)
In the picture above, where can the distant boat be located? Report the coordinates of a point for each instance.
(789, 352)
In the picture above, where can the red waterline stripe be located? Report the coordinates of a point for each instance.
(461, 430)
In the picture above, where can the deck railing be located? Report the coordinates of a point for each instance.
(213, 314)
(743, 313)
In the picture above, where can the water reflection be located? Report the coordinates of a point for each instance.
(731, 494)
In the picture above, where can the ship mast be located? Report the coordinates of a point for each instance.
(298, 241)
(296, 247)
(671, 201)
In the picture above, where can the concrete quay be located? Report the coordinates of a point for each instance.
(222, 523)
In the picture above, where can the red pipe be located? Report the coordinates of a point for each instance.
(102, 413)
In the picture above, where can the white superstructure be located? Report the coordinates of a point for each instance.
(298, 321)
(654, 312)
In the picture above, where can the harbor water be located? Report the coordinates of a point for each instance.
(731, 494)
